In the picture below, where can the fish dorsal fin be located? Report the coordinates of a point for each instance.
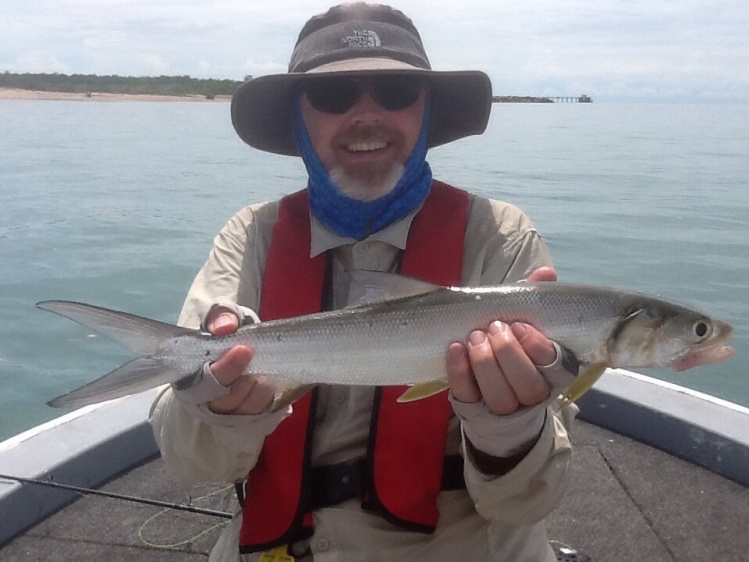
(368, 287)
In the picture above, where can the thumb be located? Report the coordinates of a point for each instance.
(221, 322)
(545, 273)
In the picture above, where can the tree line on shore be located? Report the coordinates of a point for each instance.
(161, 85)
(92, 83)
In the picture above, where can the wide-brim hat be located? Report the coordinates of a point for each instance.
(359, 39)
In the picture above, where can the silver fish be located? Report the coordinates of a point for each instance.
(401, 336)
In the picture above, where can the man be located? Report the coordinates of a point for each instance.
(346, 473)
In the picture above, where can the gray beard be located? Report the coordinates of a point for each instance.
(370, 188)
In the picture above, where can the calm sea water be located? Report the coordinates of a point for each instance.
(117, 203)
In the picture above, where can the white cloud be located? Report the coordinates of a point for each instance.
(40, 62)
(613, 49)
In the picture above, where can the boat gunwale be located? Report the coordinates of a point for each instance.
(93, 445)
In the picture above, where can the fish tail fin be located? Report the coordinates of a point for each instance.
(135, 376)
(140, 335)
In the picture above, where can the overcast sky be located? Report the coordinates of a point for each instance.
(612, 50)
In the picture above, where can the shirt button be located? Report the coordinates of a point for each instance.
(323, 544)
(361, 249)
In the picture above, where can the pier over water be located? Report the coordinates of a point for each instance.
(572, 99)
(543, 99)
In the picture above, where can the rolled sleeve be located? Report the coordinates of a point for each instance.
(531, 490)
(199, 446)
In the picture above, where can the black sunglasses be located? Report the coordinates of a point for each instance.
(338, 94)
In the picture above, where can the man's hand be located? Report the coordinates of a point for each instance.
(247, 396)
(500, 365)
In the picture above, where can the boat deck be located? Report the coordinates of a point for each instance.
(627, 501)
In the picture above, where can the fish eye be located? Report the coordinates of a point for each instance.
(701, 329)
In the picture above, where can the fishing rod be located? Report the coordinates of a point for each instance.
(89, 491)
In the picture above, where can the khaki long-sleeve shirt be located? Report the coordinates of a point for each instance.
(496, 518)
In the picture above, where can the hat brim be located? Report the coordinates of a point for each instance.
(262, 116)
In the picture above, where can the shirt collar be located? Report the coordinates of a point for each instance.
(395, 234)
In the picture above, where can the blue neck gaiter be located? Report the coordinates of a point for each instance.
(358, 219)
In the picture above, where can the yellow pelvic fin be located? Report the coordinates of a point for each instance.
(582, 383)
(289, 396)
(423, 390)
(278, 554)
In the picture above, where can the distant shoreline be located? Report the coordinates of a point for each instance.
(18, 94)
(21, 94)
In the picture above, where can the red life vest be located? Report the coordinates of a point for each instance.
(407, 441)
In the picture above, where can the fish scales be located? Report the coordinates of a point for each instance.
(404, 341)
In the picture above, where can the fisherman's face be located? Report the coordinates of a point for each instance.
(365, 147)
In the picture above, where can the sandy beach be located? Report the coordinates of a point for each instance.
(15, 94)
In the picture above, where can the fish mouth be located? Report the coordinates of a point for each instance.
(707, 356)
